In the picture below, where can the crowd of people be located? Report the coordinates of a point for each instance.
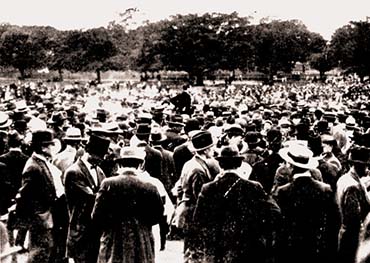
(241, 173)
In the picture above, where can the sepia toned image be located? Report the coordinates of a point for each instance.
(191, 131)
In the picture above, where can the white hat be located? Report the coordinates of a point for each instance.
(299, 155)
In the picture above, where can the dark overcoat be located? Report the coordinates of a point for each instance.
(126, 208)
(82, 241)
(35, 206)
(11, 175)
(235, 221)
(354, 206)
(309, 231)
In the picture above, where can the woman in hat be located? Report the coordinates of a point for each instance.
(234, 218)
(310, 214)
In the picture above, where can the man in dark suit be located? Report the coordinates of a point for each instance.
(153, 157)
(39, 191)
(234, 218)
(354, 203)
(125, 210)
(82, 182)
(15, 161)
(310, 223)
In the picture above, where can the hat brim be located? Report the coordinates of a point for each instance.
(193, 149)
(7, 124)
(311, 164)
(176, 123)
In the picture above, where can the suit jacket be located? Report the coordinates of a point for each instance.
(80, 192)
(235, 220)
(11, 176)
(126, 208)
(310, 221)
(153, 162)
(181, 155)
(168, 169)
(354, 206)
(35, 208)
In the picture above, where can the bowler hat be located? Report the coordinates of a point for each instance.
(98, 145)
(252, 137)
(157, 136)
(229, 153)
(43, 137)
(234, 130)
(202, 140)
(143, 129)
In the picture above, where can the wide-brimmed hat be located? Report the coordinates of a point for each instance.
(299, 156)
(229, 153)
(359, 154)
(73, 134)
(5, 121)
(97, 145)
(43, 137)
(21, 106)
(202, 140)
(132, 152)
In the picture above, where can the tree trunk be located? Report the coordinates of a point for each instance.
(60, 72)
(22, 72)
(98, 77)
(199, 81)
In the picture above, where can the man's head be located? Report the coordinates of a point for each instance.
(230, 158)
(43, 142)
(131, 157)
(360, 159)
(97, 147)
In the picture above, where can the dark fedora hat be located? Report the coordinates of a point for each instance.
(252, 137)
(202, 140)
(359, 155)
(229, 153)
(98, 145)
(43, 137)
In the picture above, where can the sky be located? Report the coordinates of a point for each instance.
(321, 16)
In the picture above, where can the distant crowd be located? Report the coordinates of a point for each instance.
(110, 172)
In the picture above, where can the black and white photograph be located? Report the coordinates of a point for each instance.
(197, 131)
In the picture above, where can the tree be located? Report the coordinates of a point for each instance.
(280, 44)
(22, 50)
(350, 46)
(322, 62)
(191, 43)
(86, 50)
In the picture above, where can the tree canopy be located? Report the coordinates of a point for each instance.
(197, 44)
